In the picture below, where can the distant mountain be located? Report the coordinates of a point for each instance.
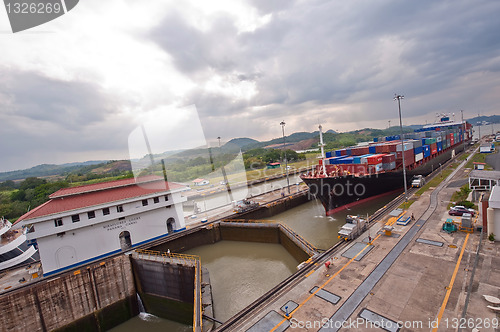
(47, 170)
(241, 142)
(480, 119)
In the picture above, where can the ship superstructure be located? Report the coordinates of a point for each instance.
(346, 177)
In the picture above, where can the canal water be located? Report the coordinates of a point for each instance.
(223, 199)
(240, 272)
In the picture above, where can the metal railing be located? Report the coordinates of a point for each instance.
(299, 240)
(168, 257)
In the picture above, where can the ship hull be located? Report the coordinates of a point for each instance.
(336, 193)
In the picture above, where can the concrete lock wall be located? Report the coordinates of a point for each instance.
(166, 289)
(203, 236)
(273, 208)
(96, 298)
(263, 234)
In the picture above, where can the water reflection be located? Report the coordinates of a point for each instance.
(309, 220)
(240, 272)
(151, 323)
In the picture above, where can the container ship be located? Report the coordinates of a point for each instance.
(346, 177)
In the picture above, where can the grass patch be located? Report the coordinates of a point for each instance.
(435, 181)
(478, 158)
(406, 205)
(459, 197)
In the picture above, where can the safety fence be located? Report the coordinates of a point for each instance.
(293, 236)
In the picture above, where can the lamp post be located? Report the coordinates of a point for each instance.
(282, 123)
(479, 127)
(398, 98)
(226, 182)
(463, 129)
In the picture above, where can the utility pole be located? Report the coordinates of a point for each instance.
(282, 123)
(226, 182)
(479, 127)
(389, 124)
(398, 98)
(463, 130)
(322, 146)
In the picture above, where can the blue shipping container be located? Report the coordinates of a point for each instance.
(337, 160)
(372, 149)
(439, 146)
(347, 160)
(358, 159)
(329, 154)
(348, 151)
(418, 150)
(427, 151)
(338, 153)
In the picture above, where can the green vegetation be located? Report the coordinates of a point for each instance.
(31, 193)
(341, 140)
(260, 157)
(406, 205)
(478, 158)
(436, 180)
(18, 198)
(491, 237)
(462, 194)
(460, 198)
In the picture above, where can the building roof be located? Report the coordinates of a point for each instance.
(494, 200)
(69, 199)
(486, 175)
(104, 185)
(199, 180)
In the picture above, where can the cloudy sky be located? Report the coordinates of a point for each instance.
(74, 89)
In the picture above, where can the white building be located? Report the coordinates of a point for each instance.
(200, 182)
(82, 224)
(494, 212)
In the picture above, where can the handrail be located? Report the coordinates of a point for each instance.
(159, 255)
(198, 308)
(271, 223)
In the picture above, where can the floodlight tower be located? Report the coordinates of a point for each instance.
(398, 98)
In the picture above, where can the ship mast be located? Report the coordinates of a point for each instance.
(322, 146)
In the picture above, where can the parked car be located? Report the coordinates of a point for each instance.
(460, 210)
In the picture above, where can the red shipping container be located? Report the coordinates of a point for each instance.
(359, 151)
(383, 148)
(388, 158)
(374, 160)
(393, 146)
(409, 157)
(343, 152)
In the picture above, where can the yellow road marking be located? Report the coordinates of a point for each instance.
(450, 286)
(391, 221)
(324, 284)
(311, 272)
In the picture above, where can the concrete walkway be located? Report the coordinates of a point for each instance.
(405, 279)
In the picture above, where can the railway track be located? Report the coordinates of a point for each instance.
(318, 259)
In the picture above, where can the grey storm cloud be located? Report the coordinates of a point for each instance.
(71, 104)
(46, 118)
(331, 52)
